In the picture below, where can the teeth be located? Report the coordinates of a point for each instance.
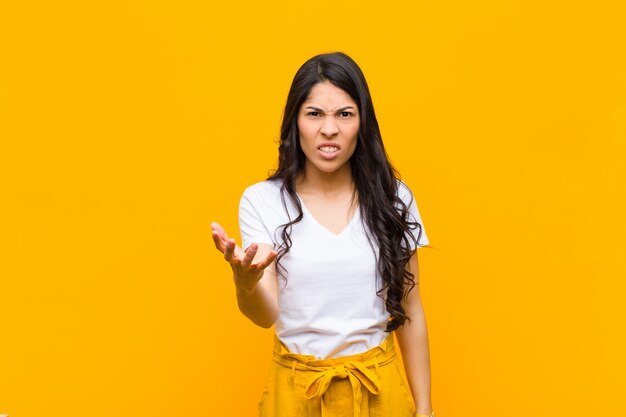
(328, 149)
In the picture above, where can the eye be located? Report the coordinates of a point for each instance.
(313, 113)
(345, 114)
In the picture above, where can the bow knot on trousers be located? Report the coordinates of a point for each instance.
(369, 384)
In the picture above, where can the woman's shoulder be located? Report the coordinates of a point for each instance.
(266, 199)
(403, 190)
(268, 188)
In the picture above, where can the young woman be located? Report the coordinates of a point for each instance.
(330, 258)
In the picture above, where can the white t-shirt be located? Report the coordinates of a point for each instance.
(329, 305)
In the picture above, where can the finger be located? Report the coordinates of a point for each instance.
(249, 256)
(220, 230)
(265, 262)
(229, 252)
(219, 243)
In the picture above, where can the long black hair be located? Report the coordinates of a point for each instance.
(375, 179)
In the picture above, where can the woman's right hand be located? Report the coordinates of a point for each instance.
(245, 273)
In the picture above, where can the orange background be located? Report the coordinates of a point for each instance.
(127, 127)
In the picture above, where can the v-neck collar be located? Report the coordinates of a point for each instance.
(307, 213)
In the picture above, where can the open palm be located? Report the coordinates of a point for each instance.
(245, 272)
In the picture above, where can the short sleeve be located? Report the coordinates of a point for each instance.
(414, 216)
(251, 224)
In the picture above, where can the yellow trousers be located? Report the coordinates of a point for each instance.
(370, 384)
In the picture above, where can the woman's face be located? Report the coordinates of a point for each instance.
(328, 122)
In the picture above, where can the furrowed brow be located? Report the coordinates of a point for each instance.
(322, 111)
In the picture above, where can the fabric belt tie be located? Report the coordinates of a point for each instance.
(360, 369)
(358, 374)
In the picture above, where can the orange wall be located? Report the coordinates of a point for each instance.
(127, 127)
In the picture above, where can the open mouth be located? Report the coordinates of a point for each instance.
(328, 151)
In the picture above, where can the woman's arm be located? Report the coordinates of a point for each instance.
(260, 303)
(254, 274)
(413, 341)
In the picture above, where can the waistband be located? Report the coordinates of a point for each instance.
(361, 369)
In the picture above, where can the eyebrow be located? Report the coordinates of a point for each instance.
(320, 110)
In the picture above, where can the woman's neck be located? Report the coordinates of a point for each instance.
(315, 181)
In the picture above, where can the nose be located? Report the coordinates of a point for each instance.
(329, 126)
